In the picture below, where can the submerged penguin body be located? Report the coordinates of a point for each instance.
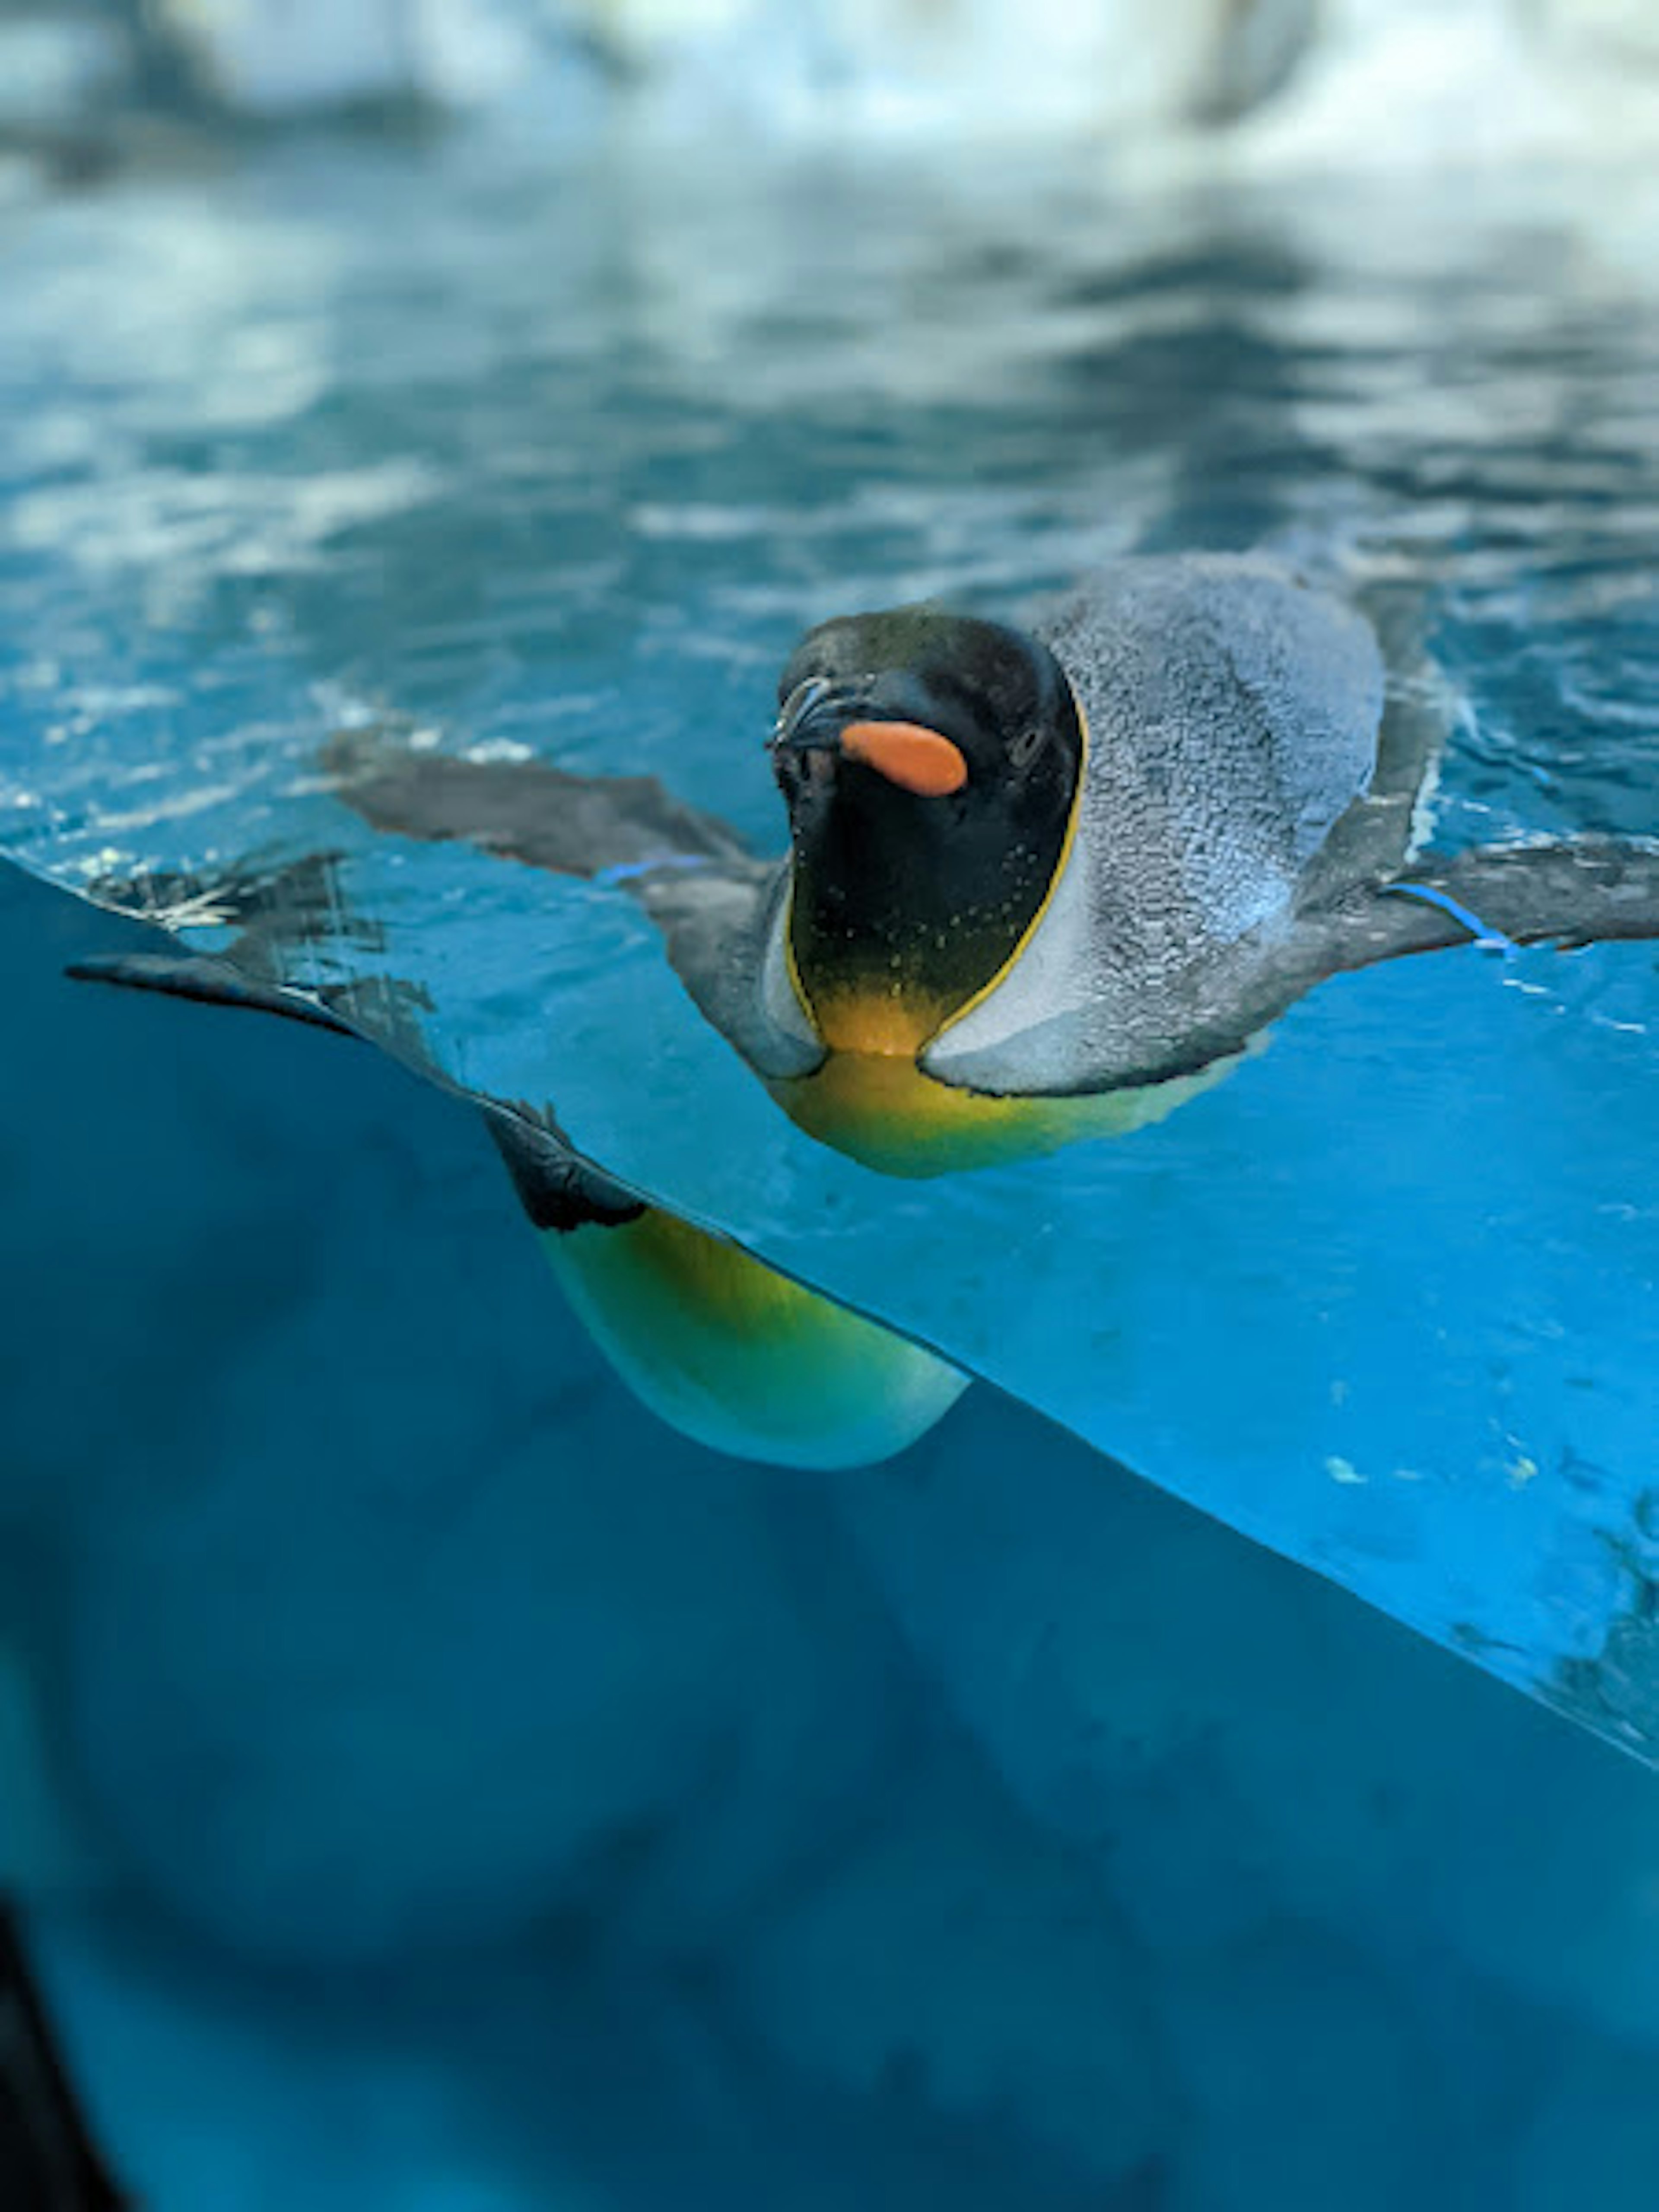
(741, 1357)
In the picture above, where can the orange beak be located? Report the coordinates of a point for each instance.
(907, 754)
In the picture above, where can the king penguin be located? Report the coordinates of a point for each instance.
(1041, 883)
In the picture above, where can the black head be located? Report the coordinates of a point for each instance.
(930, 762)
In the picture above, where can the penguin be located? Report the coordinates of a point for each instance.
(1041, 883)
(1049, 883)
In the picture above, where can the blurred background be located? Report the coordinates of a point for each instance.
(425, 1782)
(1470, 73)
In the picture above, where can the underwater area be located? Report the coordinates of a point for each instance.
(1211, 1769)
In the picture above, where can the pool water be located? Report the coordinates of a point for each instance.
(993, 1822)
(559, 459)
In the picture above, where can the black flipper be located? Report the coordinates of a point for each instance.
(48, 2162)
(529, 811)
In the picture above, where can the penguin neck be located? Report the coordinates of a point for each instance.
(892, 931)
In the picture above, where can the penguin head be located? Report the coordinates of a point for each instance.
(931, 764)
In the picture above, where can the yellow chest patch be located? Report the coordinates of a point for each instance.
(873, 1023)
(884, 1110)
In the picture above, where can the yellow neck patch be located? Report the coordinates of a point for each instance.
(875, 1023)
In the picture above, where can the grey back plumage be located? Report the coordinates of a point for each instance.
(1233, 717)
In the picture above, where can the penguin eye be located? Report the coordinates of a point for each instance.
(1024, 746)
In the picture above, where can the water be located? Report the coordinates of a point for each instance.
(436, 1785)
(558, 457)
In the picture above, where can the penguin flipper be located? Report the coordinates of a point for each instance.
(1569, 893)
(590, 826)
(713, 899)
(1574, 892)
(48, 2162)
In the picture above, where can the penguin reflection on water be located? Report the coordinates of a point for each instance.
(1038, 886)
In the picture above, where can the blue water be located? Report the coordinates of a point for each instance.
(404, 438)
(513, 1805)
